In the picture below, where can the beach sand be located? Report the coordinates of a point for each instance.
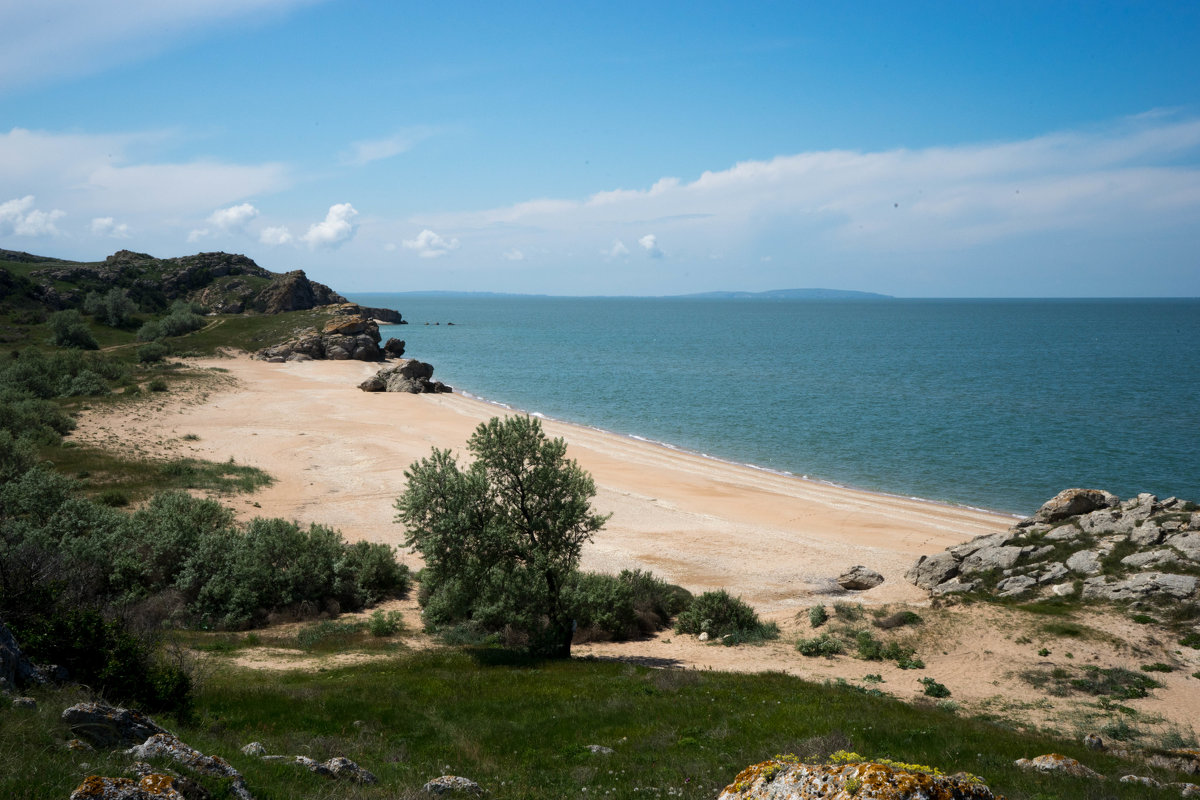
(338, 456)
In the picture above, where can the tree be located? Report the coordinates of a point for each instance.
(68, 329)
(502, 537)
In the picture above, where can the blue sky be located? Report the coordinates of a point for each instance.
(992, 149)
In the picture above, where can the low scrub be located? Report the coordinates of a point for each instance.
(634, 603)
(719, 614)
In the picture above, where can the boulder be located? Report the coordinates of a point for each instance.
(1136, 587)
(168, 745)
(106, 726)
(347, 326)
(859, 578)
(930, 571)
(989, 558)
(1054, 762)
(1016, 585)
(254, 749)
(373, 384)
(452, 784)
(1073, 502)
(394, 347)
(779, 779)
(148, 787)
(406, 375)
(16, 671)
(1085, 562)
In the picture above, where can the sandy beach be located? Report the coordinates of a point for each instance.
(338, 456)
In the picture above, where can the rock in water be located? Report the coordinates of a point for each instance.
(859, 578)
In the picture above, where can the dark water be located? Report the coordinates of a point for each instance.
(996, 404)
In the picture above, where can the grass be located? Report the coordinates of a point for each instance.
(521, 729)
(107, 475)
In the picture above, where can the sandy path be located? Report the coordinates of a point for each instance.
(338, 456)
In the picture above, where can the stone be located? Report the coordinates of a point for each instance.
(106, 726)
(148, 787)
(1084, 562)
(1063, 533)
(1055, 762)
(600, 750)
(24, 702)
(78, 745)
(780, 779)
(955, 586)
(859, 578)
(254, 749)
(1073, 502)
(931, 571)
(167, 745)
(373, 384)
(1149, 557)
(1141, 779)
(1016, 585)
(989, 558)
(703, 637)
(1147, 534)
(16, 671)
(346, 326)
(452, 784)
(1143, 584)
(1093, 742)
(343, 769)
(394, 347)
(1186, 543)
(1052, 573)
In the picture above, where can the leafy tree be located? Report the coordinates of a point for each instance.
(501, 539)
(114, 308)
(68, 329)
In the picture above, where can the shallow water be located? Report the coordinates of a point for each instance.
(996, 404)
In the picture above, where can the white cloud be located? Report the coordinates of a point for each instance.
(196, 234)
(275, 236)
(18, 217)
(618, 250)
(53, 39)
(233, 218)
(430, 245)
(335, 229)
(107, 226)
(365, 152)
(514, 255)
(649, 243)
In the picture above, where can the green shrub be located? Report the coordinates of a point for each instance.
(113, 498)
(152, 352)
(934, 689)
(1157, 666)
(385, 624)
(85, 384)
(182, 319)
(114, 308)
(157, 385)
(823, 645)
(634, 603)
(328, 635)
(817, 616)
(1191, 640)
(848, 612)
(68, 329)
(720, 614)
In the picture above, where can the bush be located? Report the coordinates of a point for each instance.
(157, 385)
(634, 603)
(114, 308)
(898, 620)
(848, 612)
(85, 384)
(68, 329)
(182, 319)
(823, 645)
(719, 614)
(152, 352)
(385, 624)
(934, 689)
(817, 616)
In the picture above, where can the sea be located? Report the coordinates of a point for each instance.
(994, 404)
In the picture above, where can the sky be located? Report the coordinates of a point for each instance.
(919, 149)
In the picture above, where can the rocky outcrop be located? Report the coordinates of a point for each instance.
(16, 671)
(293, 291)
(1056, 763)
(106, 726)
(406, 375)
(167, 745)
(394, 347)
(452, 784)
(1121, 551)
(859, 578)
(782, 779)
(385, 315)
(153, 786)
(350, 334)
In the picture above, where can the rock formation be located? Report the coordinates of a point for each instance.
(349, 335)
(783, 779)
(1118, 551)
(16, 671)
(406, 375)
(859, 578)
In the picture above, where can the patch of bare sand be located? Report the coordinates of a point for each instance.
(338, 456)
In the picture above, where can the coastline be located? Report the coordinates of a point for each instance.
(338, 456)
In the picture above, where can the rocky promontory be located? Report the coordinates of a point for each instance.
(1084, 543)
(350, 334)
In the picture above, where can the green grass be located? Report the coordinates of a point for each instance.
(107, 474)
(521, 729)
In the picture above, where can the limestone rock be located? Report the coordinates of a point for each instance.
(1149, 557)
(254, 749)
(1054, 762)
(955, 586)
(452, 784)
(859, 578)
(600, 750)
(1073, 502)
(149, 787)
(1141, 779)
(930, 571)
(1085, 562)
(167, 745)
(1016, 585)
(989, 558)
(1143, 584)
(786, 780)
(344, 769)
(106, 726)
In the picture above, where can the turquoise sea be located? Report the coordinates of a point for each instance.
(995, 404)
